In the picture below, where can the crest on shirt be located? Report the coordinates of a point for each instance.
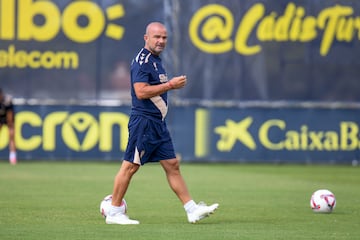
(163, 78)
(155, 66)
(141, 57)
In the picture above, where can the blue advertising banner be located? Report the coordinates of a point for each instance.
(245, 50)
(256, 134)
(65, 60)
(270, 50)
(233, 134)
(68, 132)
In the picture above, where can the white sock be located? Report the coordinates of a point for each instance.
(190, 206)
(12, 155)
(113, 210)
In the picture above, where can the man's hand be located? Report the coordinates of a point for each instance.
(177, 82)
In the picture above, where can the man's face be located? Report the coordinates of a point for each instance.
(156, 39)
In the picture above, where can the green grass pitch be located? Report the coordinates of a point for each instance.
(60, 200)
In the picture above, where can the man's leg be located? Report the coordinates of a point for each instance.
(122, 181)
(195, 212)
(121, 184)
(10, 119)
(175, 179)
(12, 146)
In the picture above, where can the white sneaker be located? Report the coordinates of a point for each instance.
(120, 218)
(201, 211)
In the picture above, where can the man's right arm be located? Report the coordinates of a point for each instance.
(145, 91)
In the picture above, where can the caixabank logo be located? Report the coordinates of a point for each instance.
(81, 21)
(278, 134)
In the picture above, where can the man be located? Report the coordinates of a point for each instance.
(7, 116)
(149, 138)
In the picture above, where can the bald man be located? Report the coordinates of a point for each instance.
(149, 139)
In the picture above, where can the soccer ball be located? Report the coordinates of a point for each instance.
(106, 203)
(323, 201)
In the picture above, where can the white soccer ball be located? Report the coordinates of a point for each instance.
(323, 201)
(106, 203)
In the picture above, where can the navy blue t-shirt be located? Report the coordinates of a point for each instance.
(148, 68)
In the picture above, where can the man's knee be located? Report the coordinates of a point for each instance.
(129, 167)
(171, 165)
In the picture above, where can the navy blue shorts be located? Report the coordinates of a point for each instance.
(149, 141)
